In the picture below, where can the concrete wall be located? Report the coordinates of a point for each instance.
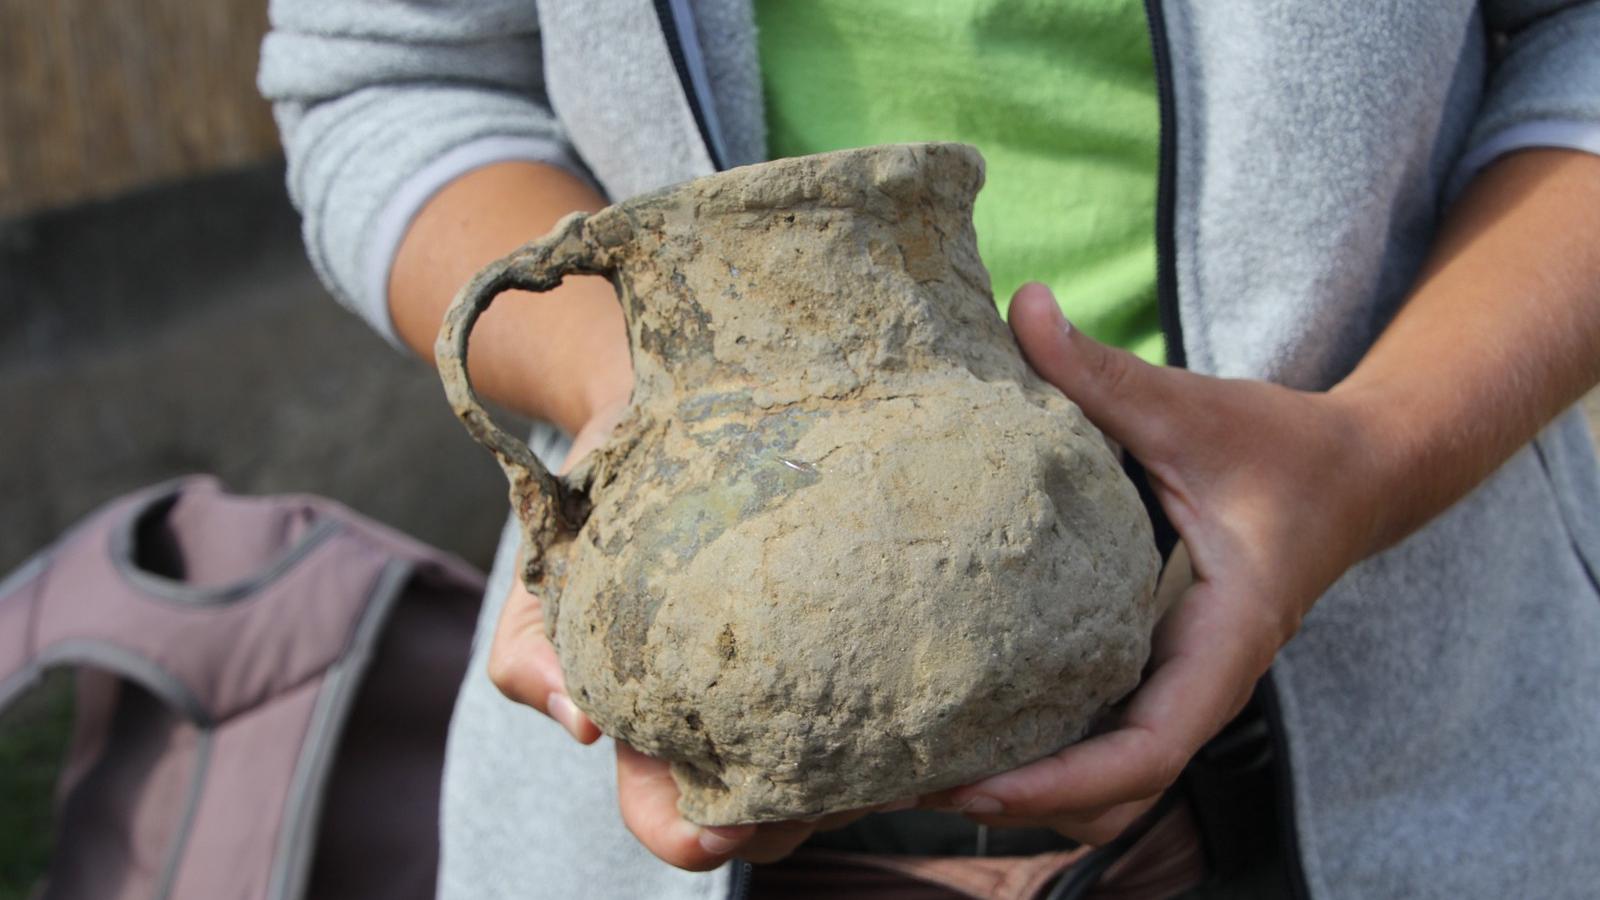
(181, 330)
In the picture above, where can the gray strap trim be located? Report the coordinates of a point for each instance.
(131, 666)
(24, 573)
(18, 682)
(121, 549)
(191, 805)
(12, 684)
(157, 681)
(302, 811)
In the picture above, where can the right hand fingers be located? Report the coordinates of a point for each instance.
(522, 662)
(523, 665)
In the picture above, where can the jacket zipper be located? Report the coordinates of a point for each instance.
(1166, 190)
(739, 880)
(1166, 537)
(740, 872)
(1171, 332)
(670, 26)
(1172, 335)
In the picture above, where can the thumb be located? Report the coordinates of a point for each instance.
(1124, 396)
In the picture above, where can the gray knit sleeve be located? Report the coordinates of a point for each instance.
(381, 103)
(1544, 88)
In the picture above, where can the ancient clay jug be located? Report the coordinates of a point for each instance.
(845, 547)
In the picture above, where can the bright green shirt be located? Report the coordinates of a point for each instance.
(1059, 95)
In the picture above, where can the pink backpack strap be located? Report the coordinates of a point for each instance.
(248, 624)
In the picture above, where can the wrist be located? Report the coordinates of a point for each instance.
(561, 356)
(1390, 459)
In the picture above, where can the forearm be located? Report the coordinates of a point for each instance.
(1278, 492)
(557, 356)
(1501, 334)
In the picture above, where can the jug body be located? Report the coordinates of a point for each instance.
(845, 547)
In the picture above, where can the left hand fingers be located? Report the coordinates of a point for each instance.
(648, 798)
(1205, 668)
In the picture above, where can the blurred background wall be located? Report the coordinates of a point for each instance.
(97, 98)
(158, 317)
(157, 314)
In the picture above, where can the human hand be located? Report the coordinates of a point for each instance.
(524, 666)
(649, 800)
(1275, 493)
(522, 661)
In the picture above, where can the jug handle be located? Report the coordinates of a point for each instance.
(542, 503)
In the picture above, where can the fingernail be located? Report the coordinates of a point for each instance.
(1063, 322)
(563, 711)
(722, 841)
(1055, 307)
(980, 805)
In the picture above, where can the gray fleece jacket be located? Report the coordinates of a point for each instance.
(1441, 705)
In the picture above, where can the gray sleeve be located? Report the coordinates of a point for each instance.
(1544, 88)
(381, 103)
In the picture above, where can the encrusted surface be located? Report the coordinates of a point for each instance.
(846, 547)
